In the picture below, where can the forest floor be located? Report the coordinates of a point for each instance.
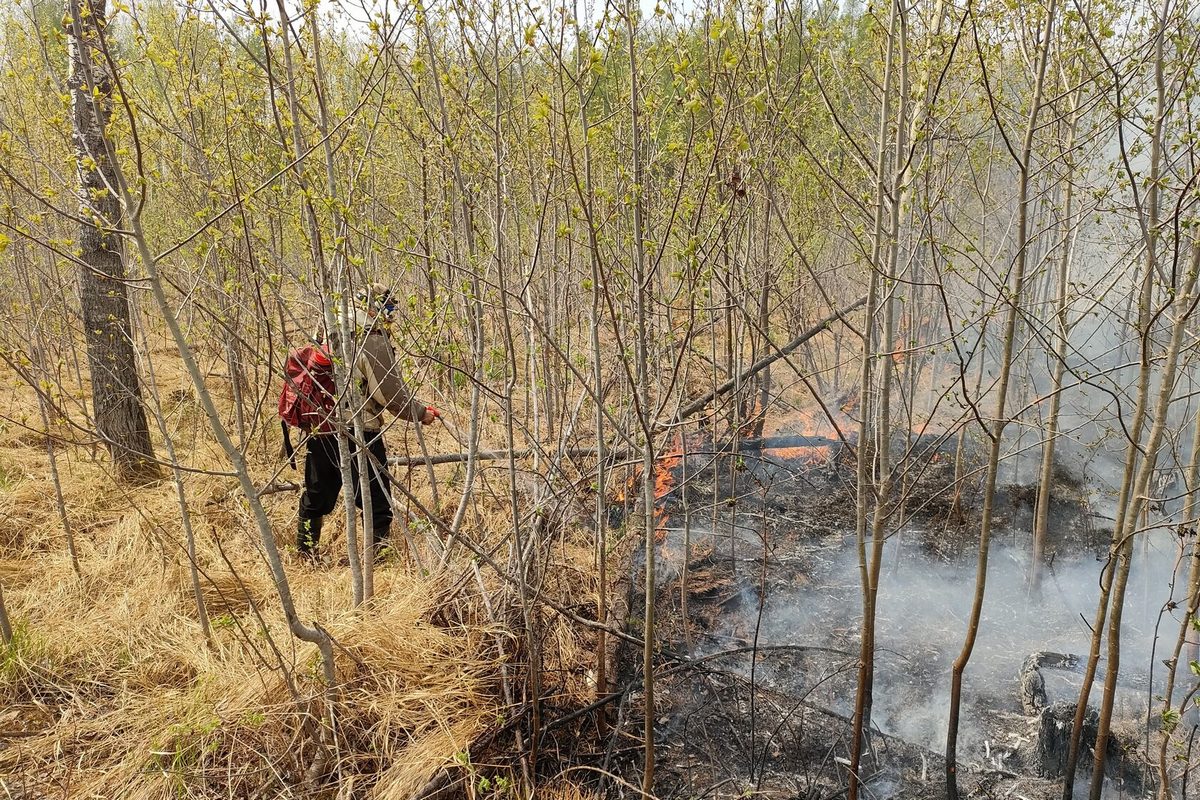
(109, 688)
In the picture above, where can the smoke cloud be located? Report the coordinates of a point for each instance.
(924, 605)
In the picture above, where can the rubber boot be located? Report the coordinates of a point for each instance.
(382, 541)
(308, 534)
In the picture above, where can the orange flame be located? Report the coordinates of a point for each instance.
(664, 482)
(664, 475)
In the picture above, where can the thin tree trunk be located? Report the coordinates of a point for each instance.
(185, 515)
(1041, 522)
(1123, 539)
(6, 631)
(41, 358)
(584, 195)
(473, 304)
(1191, 606)
(1132, 452)
(1000, 422)
(1042, 505)
(641, 300)
(1149, 217)
(521, 556)
(866, 435)
(60, 503)
(351, 409)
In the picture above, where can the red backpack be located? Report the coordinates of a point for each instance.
(308, 396)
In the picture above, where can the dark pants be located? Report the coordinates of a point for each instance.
(323, 481)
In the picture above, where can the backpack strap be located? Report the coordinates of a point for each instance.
(287, 444)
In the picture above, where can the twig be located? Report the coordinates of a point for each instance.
(766, 361)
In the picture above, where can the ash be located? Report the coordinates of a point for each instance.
(759, 608)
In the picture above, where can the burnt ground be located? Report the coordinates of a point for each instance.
(756, 674)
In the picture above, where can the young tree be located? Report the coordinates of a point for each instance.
(1014, 299)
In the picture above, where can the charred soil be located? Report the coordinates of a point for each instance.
(758, 609)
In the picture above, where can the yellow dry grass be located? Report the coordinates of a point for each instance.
(109, 689)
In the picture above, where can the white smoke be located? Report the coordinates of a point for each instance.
(923, 609)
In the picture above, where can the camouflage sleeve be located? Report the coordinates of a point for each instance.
(385, 385)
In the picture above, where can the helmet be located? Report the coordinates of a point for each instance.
(377, 298)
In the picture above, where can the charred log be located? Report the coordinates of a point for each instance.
(1054, 737)
(1033, 683)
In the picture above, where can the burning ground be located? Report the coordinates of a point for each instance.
(759, 628)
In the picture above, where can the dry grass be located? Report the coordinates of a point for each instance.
(110, 690)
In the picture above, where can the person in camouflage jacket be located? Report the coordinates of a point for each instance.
(381, 388)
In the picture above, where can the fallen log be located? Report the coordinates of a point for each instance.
(276, 487)
(486, 455)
